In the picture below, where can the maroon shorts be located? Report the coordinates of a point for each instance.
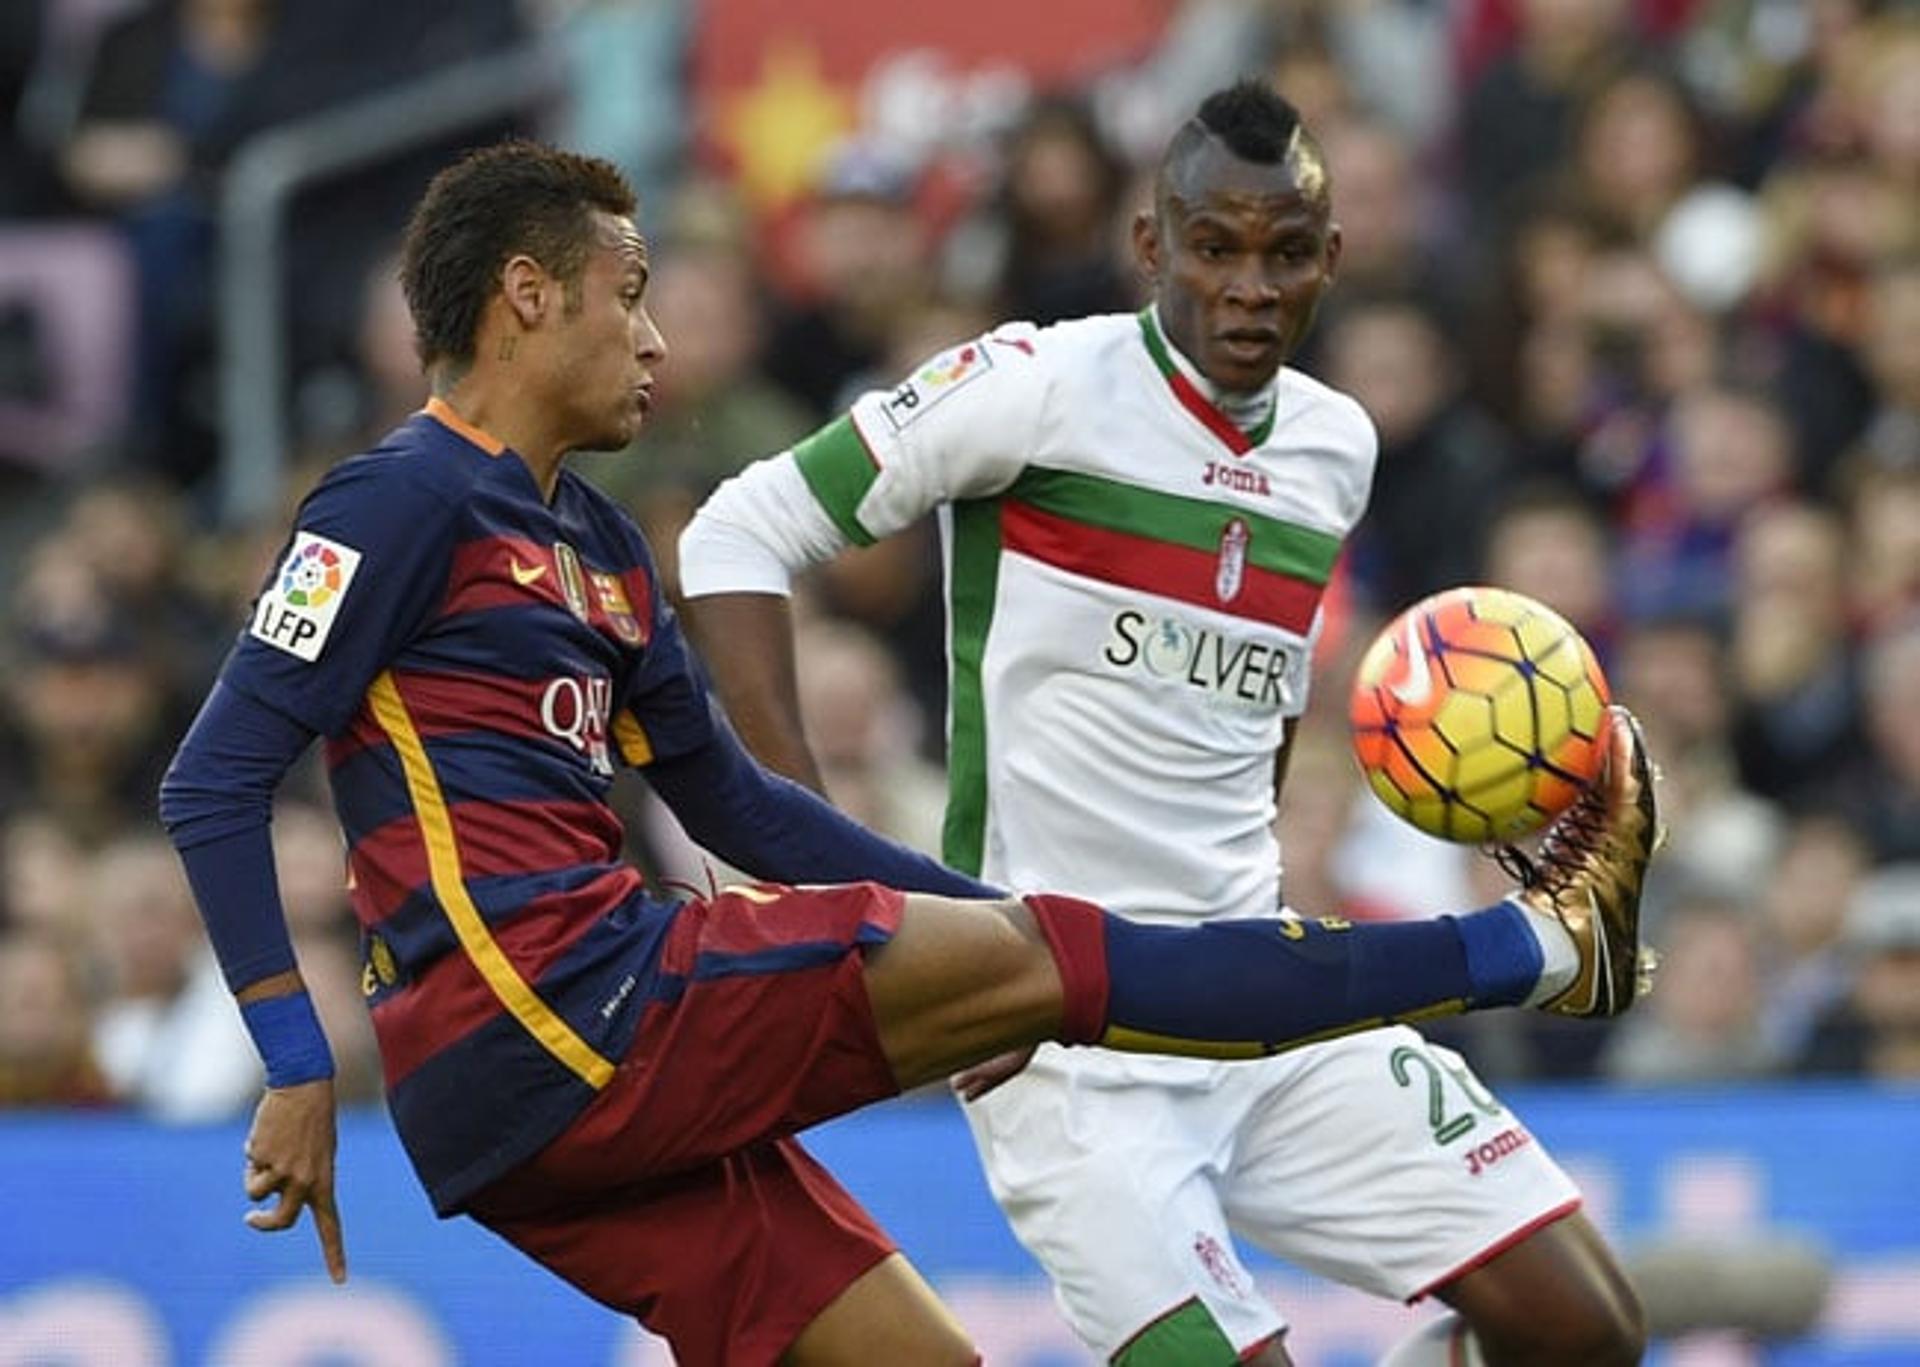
(677, 1196)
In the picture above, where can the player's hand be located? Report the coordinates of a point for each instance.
(290, 1156)
(973, 1083)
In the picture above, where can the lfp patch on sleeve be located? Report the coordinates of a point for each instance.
(296, 612)
(935, 380)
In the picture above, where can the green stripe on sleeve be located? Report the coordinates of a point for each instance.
(1188, 1337)
(975, 583)
(839, 469)
(1281, 547)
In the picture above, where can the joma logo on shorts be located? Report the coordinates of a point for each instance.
(1486, 1155)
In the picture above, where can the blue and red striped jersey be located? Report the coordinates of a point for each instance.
(480, 660)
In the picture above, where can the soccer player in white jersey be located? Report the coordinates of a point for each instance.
(1139, 514)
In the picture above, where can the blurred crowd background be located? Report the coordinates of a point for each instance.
(1631, 289)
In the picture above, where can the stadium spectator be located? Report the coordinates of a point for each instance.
(862, 258)
(1875, 1031)
(1883, 529)
(88, 706)
(1636, 151)
(1705, 1026)
(1884, 791)
(1791, 654)
(165, 1032)
(1518, 116)
(1388, 218)
(1890, 352)
(1547, 542)
(1443, 465)
(1804, 903)
(865, 732)
(42, 872)
(164, 80)
(1062, 191)
(1721, 455)
(46, 1052)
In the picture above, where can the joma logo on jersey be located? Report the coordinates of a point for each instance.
(1238, 478)
(577, 711)
(1168, 648)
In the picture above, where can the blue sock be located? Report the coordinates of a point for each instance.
(1242, 988)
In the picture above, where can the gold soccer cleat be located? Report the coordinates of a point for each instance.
(1589, 872)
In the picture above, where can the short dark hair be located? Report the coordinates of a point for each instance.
(1254, 120)
(516, 196)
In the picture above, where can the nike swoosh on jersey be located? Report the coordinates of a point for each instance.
(525, 574)
(1417, 687)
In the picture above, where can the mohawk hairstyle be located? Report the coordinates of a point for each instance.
(1255, 121)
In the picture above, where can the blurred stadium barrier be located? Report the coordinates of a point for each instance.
(122, 1243)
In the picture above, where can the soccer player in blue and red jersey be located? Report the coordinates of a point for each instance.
(609, 1079)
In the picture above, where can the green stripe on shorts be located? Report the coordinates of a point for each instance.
(1184, 1337)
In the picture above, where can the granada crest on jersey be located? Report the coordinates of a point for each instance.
(935, 380)
(573, 581)
(619, 612)
(1232, 569)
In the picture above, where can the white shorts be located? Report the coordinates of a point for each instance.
(1377, 1160)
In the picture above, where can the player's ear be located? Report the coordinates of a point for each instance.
(1147, 245)
(527, 288)
(1333, 251)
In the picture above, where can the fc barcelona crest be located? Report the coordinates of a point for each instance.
(573, 582)
(619, 612)
(1232, 570)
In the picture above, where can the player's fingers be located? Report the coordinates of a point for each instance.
(333, 1246)
(280, 1215)
(261, 1182)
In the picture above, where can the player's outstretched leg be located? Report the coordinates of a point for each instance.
(962, 982)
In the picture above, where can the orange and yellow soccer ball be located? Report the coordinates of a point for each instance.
(1478, 715)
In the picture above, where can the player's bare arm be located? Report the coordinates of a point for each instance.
(747, 641)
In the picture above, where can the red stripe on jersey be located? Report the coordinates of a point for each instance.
(450, 704)
(444, 704)
(500, 571)
(496, 839)
(451, 1000)
(362, 733)
(448, 1001)
(1158, 567)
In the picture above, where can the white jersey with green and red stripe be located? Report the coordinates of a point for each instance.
(1132, 591)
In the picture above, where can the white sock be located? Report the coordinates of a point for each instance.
(1559, 959)
(1445, 1342)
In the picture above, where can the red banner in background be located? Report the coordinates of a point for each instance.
(778, 82)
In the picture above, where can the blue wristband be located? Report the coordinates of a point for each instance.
(287, 1032)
